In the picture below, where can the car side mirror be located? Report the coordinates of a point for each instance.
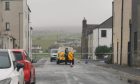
(19, 66)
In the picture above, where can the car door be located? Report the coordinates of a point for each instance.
(32, 69)
(17, 74)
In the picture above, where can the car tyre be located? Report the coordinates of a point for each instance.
(34, 81)
(51, 60)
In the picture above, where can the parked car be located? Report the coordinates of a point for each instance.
(11, 72)
(29, 69)
(108, 59)
(53, 54)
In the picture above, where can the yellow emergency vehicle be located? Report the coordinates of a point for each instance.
(65, 55)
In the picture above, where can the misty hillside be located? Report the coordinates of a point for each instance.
(68, 29)
(46, 38)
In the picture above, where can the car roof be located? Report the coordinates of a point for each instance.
(19, 50)
(54, 49)
(5, 50)
(62, 49)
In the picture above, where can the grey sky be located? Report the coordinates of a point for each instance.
(68, 12)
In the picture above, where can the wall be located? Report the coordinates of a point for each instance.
(14, 17)
(107, 40)
(117, 31)
(90, 46)
(135, 55)
(17, 16)
(121, 31)
(100, 41)
(126, 30)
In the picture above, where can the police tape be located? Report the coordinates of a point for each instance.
(74, 53)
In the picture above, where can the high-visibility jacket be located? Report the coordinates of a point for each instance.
(61, 56)
(70, 56)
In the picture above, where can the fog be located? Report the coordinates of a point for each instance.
(68, 14)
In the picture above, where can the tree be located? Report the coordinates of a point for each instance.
(101, 50)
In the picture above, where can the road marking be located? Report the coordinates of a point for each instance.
(75, 78)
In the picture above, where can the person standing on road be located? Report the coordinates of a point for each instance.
(71, 58)
(66, 55)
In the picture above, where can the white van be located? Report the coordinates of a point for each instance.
(10, 71)
(53, 54)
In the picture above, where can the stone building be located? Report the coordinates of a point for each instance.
(126, 24)
(99, 35)
(15, 16)
(92, 37)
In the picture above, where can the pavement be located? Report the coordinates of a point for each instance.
(131, 74)
(90, 73)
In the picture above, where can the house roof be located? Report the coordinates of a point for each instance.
(107, 23)
(91, 27)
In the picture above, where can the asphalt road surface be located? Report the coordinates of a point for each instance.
(51, 73)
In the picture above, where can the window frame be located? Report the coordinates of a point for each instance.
(103, 33)
(7, 6)
(7, 25)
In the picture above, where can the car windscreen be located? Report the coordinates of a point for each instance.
(4, 60)
(54, 51)
(18, 56)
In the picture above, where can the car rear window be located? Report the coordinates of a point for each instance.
(18, 56)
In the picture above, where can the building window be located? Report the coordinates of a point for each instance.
(7, 26)
(135, 40)
(7, 5)
(103, 33)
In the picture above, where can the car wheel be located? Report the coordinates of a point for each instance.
(27, 82)
(51, 60)
(34, 82)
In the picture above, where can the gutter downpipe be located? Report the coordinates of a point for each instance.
(121, 31)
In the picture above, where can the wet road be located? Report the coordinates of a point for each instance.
(50, 73)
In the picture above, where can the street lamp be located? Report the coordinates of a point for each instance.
(20, 13)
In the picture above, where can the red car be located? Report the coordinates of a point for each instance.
(29, 70)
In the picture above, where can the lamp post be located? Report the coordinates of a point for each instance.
(19, 29)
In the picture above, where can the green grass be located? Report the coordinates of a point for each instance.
(40, 56)
(46, 39)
